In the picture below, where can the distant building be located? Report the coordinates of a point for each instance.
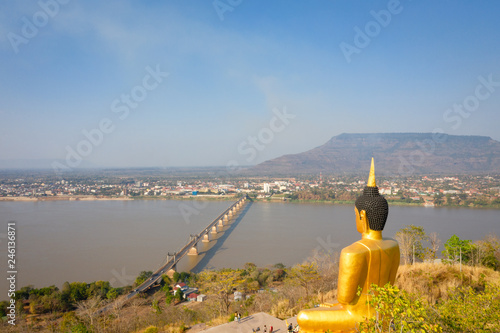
(267, 188)
(182, 286)
(386, 190)
(201, 298)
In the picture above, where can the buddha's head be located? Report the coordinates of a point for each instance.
(371, 208)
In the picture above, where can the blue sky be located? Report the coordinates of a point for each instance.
(232, 67)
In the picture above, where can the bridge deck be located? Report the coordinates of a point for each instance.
(194, 239)
(182, 252)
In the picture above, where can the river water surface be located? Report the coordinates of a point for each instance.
(114, 240)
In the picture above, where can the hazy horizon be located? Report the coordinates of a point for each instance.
(46, 164)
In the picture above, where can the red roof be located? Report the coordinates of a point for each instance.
(193, 295)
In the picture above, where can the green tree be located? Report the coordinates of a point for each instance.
(70, 323)
(3, 308)
(410, 242)
(66, 288)
(99, 288)
(179, 295)
(156, 306)
(279, 274)
(397, 311)
(169, 297)
(166, 279)
(184, 276)
(456, 249)
(143, 276)
(112, 294)
(78, 291)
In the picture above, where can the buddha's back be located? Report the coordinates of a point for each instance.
(366, 262)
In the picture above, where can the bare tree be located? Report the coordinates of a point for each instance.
(88, 310)
(116, 307)
(307, 276)
(328, 268)
(136, 305)
(435, 244)
(410, 242)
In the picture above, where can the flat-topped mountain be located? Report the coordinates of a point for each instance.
(394, 153)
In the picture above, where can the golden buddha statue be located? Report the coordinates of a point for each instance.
(371, 260)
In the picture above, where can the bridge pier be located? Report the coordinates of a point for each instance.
(214, 229)
(226, 218)
(206, 239)
(221, 223)
(193, 251)
(171, 271)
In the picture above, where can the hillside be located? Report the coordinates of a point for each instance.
(395, 153)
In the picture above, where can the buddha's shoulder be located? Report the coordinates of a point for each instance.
(354, 248)
(388, 240)
(369, 244)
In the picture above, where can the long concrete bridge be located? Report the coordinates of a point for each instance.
(189, 249)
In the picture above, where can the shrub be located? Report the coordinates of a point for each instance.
(397, 310)
(468, 310)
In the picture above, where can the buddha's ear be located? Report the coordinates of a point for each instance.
(363, 221)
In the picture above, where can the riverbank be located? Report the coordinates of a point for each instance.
(224, 198)
(65, 198)
(351, 202)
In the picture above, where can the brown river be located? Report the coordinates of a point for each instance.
(114, 240)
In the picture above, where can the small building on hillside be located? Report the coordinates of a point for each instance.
(238, 296)
(182, 286)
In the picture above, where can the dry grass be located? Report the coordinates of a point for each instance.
(433, 281)
(218, 321)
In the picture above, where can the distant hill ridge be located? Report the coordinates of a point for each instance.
(394, 153)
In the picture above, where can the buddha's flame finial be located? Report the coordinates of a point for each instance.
(371, 178)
